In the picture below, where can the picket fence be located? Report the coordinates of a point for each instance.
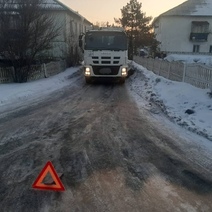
(36, 72)
(195, 74)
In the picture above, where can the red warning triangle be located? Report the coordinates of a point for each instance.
(48, 168)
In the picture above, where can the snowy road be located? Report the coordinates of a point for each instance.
(115, 155)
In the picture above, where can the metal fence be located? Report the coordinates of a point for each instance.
(36, 71)
(194, 74)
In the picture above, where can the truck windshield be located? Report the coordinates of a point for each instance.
(100, 40)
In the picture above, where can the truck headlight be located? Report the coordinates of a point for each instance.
(87, 71)
(124, 72)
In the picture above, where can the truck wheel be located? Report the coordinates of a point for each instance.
(122, 81)
(87, 80)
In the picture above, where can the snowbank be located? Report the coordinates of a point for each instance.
(203, 59)
(175, 98)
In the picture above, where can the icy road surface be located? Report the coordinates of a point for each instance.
(115, 154)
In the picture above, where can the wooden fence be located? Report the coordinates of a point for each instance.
(194, 74)
(36, 72)
(6, 74)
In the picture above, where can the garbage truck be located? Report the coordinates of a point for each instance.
(105, 54)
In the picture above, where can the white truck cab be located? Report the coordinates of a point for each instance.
(105, 54)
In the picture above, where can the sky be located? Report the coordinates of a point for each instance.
(106, 10)
(144, 85)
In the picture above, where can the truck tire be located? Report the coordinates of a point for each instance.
(88, 80)
(122, 81)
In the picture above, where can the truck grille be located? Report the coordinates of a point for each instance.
(106, 70)
(105, 60)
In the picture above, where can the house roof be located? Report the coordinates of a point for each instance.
(50, 5)
(191, 8)
(56, 4)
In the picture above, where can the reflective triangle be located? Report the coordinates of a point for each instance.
(57, 186)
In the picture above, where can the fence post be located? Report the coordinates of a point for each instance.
(169, 69)
(13, 74)
(184, 71)
(45, 71)
(153, 66)
(159, 67)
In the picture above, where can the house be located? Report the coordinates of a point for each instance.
(71, 24)
(186, 28)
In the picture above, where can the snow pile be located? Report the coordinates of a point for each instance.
(15, 94)
(176, 99)
(203, 59)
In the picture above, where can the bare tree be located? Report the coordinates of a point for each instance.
(27, 29)
(72, 53)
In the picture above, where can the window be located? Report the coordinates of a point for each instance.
(210, 49)
(71, 27)
(199, 27)
(106, 40)
(76, 28)
(80, 29)
(199, 31)
(195, 48)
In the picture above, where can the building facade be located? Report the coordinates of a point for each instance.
(70, 23)
(186, 28)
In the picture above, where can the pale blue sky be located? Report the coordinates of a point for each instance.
(106, 10)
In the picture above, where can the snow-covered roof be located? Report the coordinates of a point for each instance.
(53, 4)
(69, 9)
(191, 8)
(48, 4)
